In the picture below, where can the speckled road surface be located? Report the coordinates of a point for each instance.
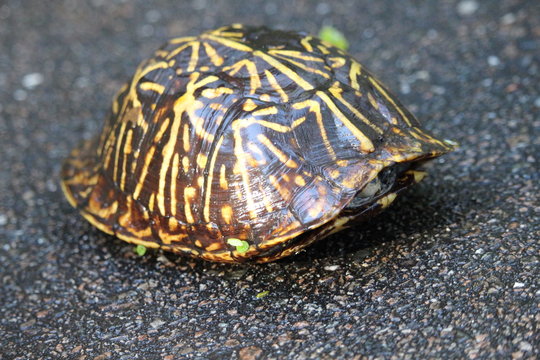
(450, 271)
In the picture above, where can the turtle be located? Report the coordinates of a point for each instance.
(246, 144)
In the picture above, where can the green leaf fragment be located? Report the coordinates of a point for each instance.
(334, 36)
(244, 248)
(241, 245)
(140, 250)
(262, 294)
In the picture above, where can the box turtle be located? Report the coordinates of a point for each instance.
(246, 144)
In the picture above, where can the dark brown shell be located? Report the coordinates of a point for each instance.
(243, 134)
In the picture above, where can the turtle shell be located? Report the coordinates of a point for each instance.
(245, 144)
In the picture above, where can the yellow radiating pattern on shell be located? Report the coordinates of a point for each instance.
(246, 144)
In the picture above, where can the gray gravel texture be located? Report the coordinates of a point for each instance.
(450, 271)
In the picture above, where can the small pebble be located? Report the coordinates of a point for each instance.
(525, 346)
(487, 82)
(331, 267)
(153, 16)
(422, 75)
(32, 80)
(467, 7)
(157, 323)
(20, 95)
(3, 220)
(519, 285)
(323, 8)
(493, 61)
(146, 30)
(405, 87)
(439, 90)
(82, 82)
(508, 19)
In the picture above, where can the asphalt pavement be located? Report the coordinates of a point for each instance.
(451, 270)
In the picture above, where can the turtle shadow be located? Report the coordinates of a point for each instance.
(424, 210)
(415, 216)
